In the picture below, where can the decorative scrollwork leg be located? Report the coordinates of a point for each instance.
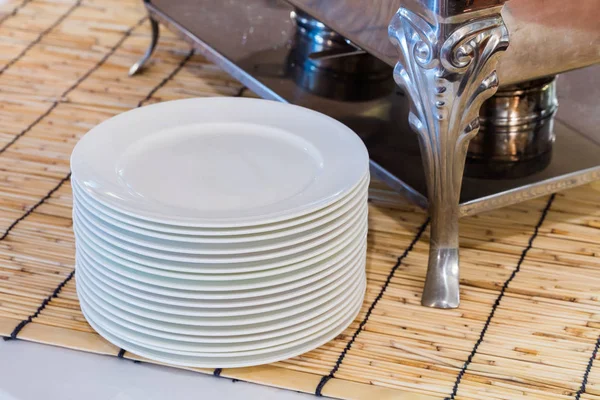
(137, 67)
(447, 67)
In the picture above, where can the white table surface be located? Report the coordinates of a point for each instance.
(31, 371)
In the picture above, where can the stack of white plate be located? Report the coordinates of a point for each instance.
(220, 232)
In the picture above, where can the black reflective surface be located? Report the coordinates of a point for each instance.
(255, 41)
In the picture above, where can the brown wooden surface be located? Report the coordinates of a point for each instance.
(64, 69)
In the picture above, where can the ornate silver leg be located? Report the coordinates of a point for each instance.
(137, 67)
(447, 67)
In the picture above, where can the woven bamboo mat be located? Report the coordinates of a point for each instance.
(529, 322)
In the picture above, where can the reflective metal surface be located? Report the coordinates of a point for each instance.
(516, 134)
(326, 64)
(442, 287)
(547, 36)
(138, 66)
(238, 36)
(447, 69)
(447, 57)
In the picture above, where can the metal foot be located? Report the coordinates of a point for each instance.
(447, 67)
(137, 67)
(442, 283)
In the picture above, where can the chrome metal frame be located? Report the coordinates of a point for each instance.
(447, 67)
(447, 54)
(548, 37)
(139, 65)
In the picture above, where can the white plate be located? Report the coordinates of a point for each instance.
(219, 162)
(212, 285)
(300, 241)
(211, 292)
(124, 330)
(216, 331)
(115, 289)
(168, 346)
(290, 251)
(320, 252)
(306, 326)
(120, 302)
(120, 221)
(241, 305)
(99, 254)
(291, 226)
(225, 291)
(210, 362)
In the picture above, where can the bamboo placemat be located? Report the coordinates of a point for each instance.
(529, 321)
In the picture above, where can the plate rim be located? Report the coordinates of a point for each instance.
(335, 246)
(247, 284)
(235, 338)
(220, 301)
(212, 330)
(228, 346)
(356, 276)
(235, 248)
(351, 225)
(344, 250)
(288, 225)
(217, 294)
(83, 166)
(290, 354)
(109, 285)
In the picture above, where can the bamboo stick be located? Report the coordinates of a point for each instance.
(536, 346)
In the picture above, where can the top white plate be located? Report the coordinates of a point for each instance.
(219, 162)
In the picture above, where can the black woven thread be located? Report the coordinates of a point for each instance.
(74, 86)
(241, 91)
(54, 105)
(588, 369)
(40, 36)
(14, 11)
(47, 300)
(36, 205)
(121, 354)
(217, 371)
(499, 299)
(56, 291)
(167, 78)
(338, 363)
(68, 176)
